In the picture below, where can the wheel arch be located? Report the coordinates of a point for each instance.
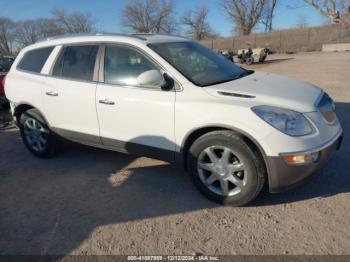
(193, 135)
(23, 107)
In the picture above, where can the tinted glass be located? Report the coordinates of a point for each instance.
(77, 62)
(200, 65)
(34, 60)
(6, 60)
(123, 65)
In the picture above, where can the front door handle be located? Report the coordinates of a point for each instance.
(106, 101)
(51, 93)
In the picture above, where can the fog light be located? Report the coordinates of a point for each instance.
(302, 159)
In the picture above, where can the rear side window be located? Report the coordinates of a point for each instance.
(77, 62)
(34, 60)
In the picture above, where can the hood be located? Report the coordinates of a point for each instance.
(270, 89)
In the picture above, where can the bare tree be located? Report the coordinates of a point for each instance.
(245, 14)
(149, 16)
(76, 22)
(336, 10)
(268, 14)
(27, 32)
(302, 22)
(15, 35)
(49, 27)
(197, 24)
(30, 31)
(7, 35)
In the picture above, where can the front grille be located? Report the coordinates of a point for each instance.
(327, 108)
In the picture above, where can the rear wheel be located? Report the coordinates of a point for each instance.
(225, 168)
(37, 136)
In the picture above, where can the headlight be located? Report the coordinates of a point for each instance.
(287, 121)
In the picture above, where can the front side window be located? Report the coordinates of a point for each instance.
(200, 65)
(34, 60)
(124, 65)
(76, 62)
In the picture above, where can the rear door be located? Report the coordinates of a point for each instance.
(69, 93)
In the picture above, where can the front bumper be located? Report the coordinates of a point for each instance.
(283, 176)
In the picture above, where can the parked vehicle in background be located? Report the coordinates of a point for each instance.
(263, 54)
(170, 98)
(246, 57)
(6, 63)
(227, 54)
(3, 100)
(249, 56)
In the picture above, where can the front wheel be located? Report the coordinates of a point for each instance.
(249, 60)
(225, 168)
(37, 136)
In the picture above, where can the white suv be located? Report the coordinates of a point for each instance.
(170, 98)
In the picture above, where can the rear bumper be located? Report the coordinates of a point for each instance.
(284, 176)
(3, 100)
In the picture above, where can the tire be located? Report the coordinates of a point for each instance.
(37, 136)
(245, 175)
(262, 59)
(249, 60)
(5, 106)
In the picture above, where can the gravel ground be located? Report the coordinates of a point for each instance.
(90, 201)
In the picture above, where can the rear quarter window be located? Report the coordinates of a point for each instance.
(34, 60)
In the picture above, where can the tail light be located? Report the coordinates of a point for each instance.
(2, 85)
(3, 81)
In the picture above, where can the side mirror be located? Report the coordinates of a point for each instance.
(155, 78)
(168, 83)
(150, 78)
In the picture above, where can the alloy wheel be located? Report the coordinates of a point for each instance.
(221, 171)
(35, 134)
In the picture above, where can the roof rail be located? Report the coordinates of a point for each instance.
(155, 34)
(88, 34)
(142, 34)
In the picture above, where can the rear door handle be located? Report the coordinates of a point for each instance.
(51, 93)
(106, 101)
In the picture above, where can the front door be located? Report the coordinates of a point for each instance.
(134, 118)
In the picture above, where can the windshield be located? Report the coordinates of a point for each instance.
(198, 64)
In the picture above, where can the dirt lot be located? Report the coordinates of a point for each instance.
(89, 201)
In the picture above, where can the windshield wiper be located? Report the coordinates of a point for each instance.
(245, 73)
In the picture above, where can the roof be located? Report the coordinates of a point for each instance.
(158, 38)
(109, 37)
(73, 36)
